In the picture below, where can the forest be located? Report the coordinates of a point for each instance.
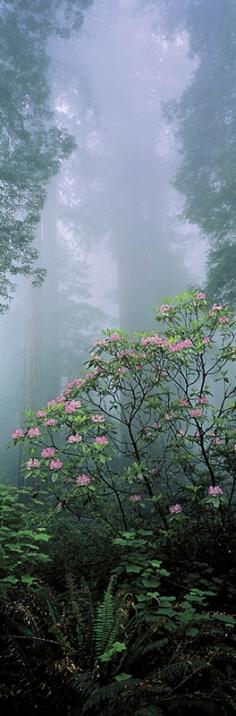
(117, 362)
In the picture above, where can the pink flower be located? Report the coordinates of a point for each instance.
(165, 308)
(223, 319)
(155, 426)
(203, 400)
(18, 433)
(215, 308)
(115, 337)
(73, 406)
(184, 403)
(206, 340)
(40, 414)
(32, 464)
(135, 498)
(92, 373)
(83, 480)
(97, 418)
(128, 352)
(34, 433)
(196, 412)
(77, 382)
(123, 370)
(153, 341)
(101, 440)
(50, 422)
(186, 343)
(48, 452)
(74, 438)
(201, 296)
(215, 491)
(52, 403)
(174, 509)
(109, 339)
(56, 464)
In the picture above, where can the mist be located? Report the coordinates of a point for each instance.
(110, 236)
(117, 361)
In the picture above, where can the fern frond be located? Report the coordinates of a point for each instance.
(109, 694)
(106, 626)
(180, 669)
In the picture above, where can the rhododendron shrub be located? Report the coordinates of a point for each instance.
(142, 433)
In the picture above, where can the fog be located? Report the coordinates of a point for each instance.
(111, 236)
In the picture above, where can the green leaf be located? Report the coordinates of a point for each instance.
(27, 579)
(9, 580)
(133, 568)
(123, 677)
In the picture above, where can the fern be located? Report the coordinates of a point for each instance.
(109, 694)
(180, 669)
(108, 621)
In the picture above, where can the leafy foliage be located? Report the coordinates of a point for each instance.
(137, 461)
(21, 539)
(205, 117)
(32, 147)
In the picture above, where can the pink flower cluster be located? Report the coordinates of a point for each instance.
(206, 340)
(50, 422)
(201, 296)
(174, 509)
(18, 433)
(184, 403)
(97, 418)
(83, 480)
(164, 308)
(76, 383)
(32, 464)
(223, 319)
(153, 341)
(34, 433)
(113, 337)
(48, 452)
(215, 308)
(126, 353)
(101, 440)
(40, 414)
(72, 407)
(196, 412)
(52, 403)
(135, 498)
(56, 464)
(187, 343)
(77, 438)
(203, 400)
(215, 491)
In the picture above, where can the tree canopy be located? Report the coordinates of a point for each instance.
(206, 124)
(32, 147)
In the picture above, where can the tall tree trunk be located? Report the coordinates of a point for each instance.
(50, 347)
